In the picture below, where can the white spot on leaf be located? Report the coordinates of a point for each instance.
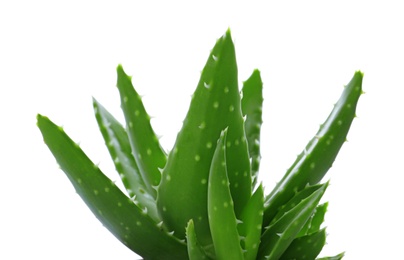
(202, 125)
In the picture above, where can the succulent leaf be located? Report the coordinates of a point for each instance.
(116, 139)
(295, 201)
(314, 223)
(337, 257)
(119, 214)
(202, 191)
(318, 156)
(305, 247)
(251, 105)
(280, 234)
(195, 251)
(222, 219)
(250, 227)
(215, 105)
(149, 155)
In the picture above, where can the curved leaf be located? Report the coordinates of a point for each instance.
(314, 223)
(119, 214)
(195, 251)
(215, 105)
(337, 257)
(318, 156)
(250, 228)
(149, 155)
(305, 247)
(280, 234)
(119, 148)
(251, 105)
(222, 219)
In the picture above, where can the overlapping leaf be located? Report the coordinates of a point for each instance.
(318, 156)
(149, 155)
(118, 213)
(119, 148)
(215, 105)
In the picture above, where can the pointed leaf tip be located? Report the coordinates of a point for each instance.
(228, 32)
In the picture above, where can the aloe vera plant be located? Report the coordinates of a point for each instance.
(202, 199)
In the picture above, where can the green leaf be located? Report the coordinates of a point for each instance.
(116, 139)
(280, 234)
(149, 155)
(119, 214)
(222, 219)
(250, 228)
(195, 251)
(215, 105)
(251, 105)
(295, 201)
(314, 223)
(337, 257)
(315, 160)
(305, 247)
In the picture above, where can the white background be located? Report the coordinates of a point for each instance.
(56, 55)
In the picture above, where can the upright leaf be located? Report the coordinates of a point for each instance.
(251, 105)
(119, 148)
(250, 228)
(195, 250)
(215, 105)
(222, 219)
(149, 155)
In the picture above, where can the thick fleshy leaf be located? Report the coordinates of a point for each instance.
(250, 228)
(295, 201)
(195, 250)
(149, 155)
(280, 234)
(118, 213)
(337, 257)
(215, 106)
(222, 219)
(314, 223)
(305, 247)
(251, 105)
(315, 160)
(119, 148)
